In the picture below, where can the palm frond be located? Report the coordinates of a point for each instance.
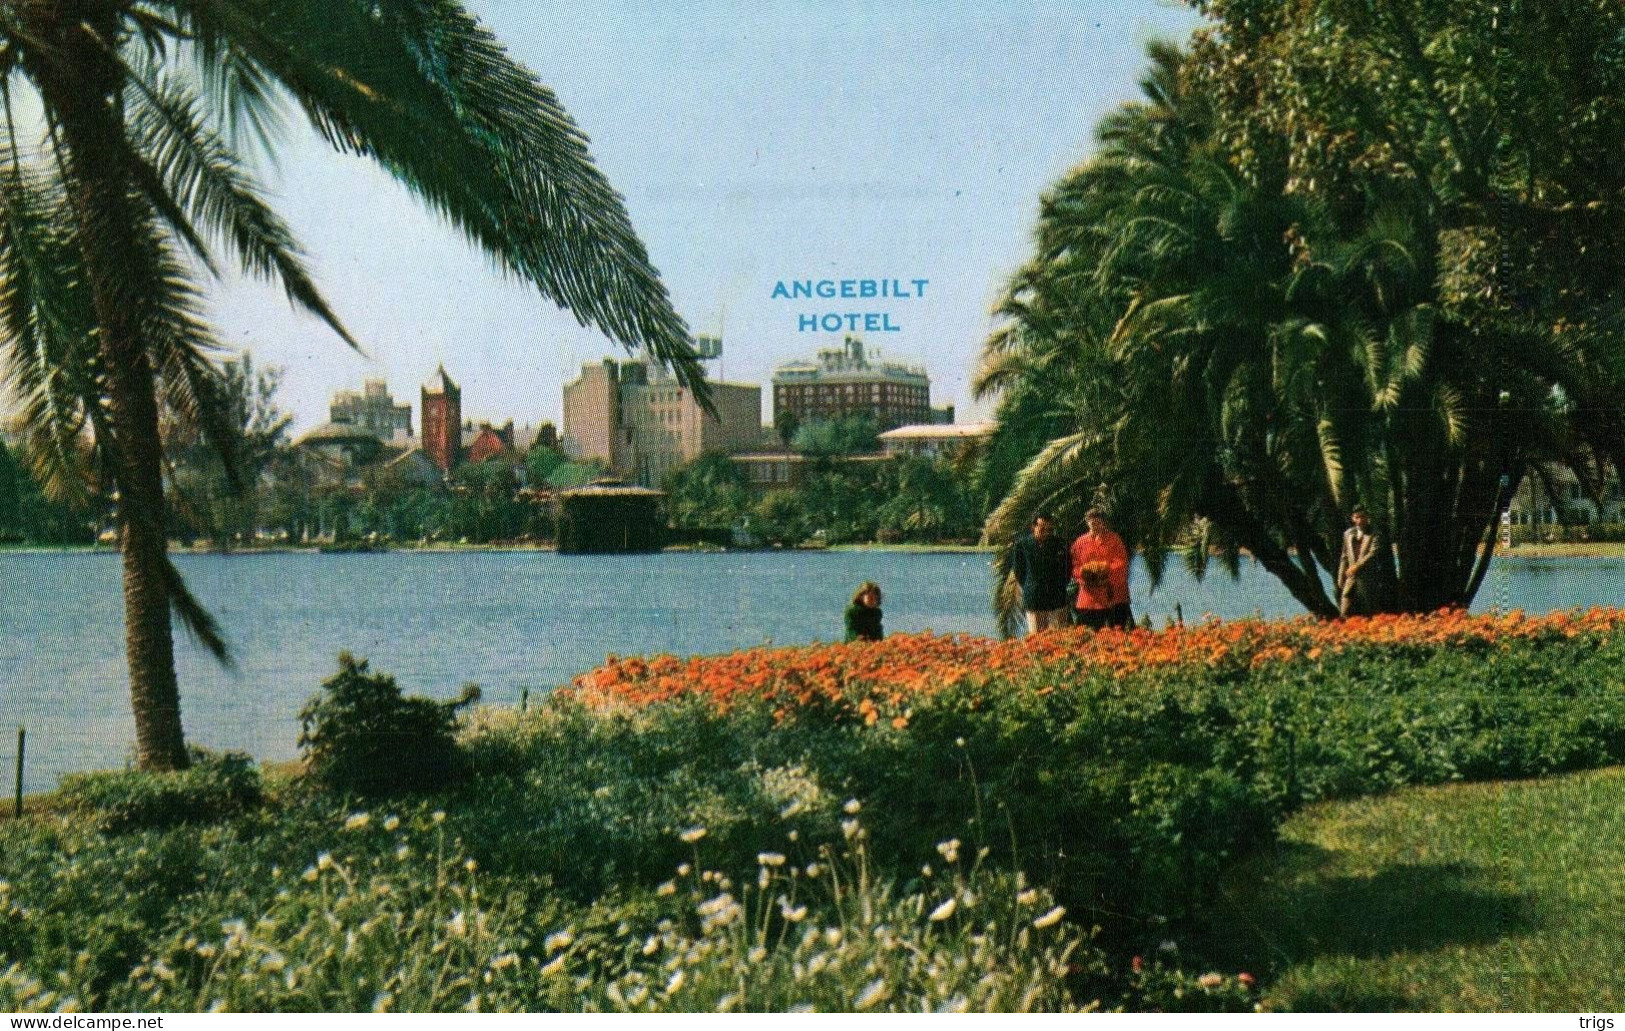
(192, 170)
(45, 329)
(426, 91)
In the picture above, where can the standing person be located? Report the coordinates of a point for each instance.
(1039, 562)
(863, 615)
(1100, 565)
(1365, 570)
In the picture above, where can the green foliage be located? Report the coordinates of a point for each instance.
(540, 464)
(575, 474)
(709, 492)
(217, 493)
(827, 438)
(212, 788)
(27, 516)
(926, 502)
(361, 735)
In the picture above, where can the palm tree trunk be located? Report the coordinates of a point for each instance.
(110, 228)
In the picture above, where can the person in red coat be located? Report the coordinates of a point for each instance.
(1100, 566)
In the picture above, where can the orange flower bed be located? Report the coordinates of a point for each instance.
(875, 681)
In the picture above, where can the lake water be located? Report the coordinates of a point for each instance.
(508, 621)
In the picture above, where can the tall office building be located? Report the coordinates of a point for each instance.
(639, 421)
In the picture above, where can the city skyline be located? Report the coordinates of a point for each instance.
(808, 143)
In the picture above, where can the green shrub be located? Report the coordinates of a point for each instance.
(361, 735)
(213, 788)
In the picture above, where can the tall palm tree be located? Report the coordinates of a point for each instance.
(120, 181)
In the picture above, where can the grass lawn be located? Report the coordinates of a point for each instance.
(1499, 896)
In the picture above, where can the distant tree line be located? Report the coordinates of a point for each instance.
(838, 501)
(27, 516)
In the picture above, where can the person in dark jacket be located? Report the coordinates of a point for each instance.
(1365, 571)
(1042, 567)
(863, 615)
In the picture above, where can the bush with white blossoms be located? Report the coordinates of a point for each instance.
(412, 923)
(820, 932)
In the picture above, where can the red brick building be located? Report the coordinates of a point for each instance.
(489, 442)
(442, 420)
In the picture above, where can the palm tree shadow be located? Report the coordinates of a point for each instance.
(1286, 906)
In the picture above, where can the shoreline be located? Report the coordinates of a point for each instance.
(1583, 550)
(505, 548)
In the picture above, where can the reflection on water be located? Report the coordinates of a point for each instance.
(509, 621)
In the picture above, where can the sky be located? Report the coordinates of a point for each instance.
(753, 143)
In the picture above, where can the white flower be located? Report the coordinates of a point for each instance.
(757, 954)
(310, 873)
(392, 823)
(357, 821)
(813, 869)
(874, 992)
(676, 982)
(457, 926)
(1210, 980)
(925, 871)
(692, 835)
(1028, 897)
(949, 850)
(324, 861)
(439, 816)
(554, 966)
(683, 869)
(849, 828)
(770, 858)
(471, 866)
(944, 911)
(504, 961)
(852, 807)
(666, 888)
(1051, 918)
(651, 945)
(558, 940)
(796, 915)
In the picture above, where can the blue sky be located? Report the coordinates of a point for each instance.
(753, 143)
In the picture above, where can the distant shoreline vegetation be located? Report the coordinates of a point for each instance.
(1586, 550)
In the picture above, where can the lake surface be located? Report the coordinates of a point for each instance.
(510, 621)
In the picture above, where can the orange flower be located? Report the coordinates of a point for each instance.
(878, 681)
